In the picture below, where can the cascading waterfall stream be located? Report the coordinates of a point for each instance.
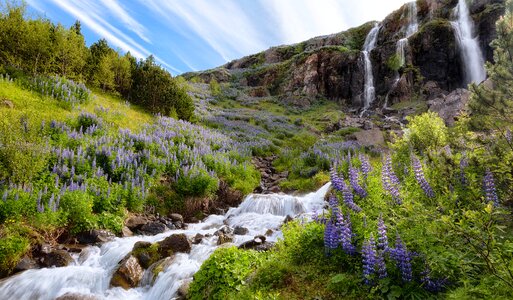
(403, 44)
(91, 272)
(368, 88)
(471, 55)
(411, 28)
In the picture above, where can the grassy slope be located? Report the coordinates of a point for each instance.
(38, 108)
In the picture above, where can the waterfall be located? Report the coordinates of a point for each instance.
(471, 55)
(91, 272)
(368, 88)
(411, 28)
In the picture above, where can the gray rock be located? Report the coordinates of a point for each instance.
(175, 243)
(153, 228)
(56, 258)
(372, 137)
(95, 236)
(76, 296)
(26, 263)
(238, 230)
(176, 217)
(450, 106)
(128, 273)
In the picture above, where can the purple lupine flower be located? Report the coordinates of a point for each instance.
(4, 197)
(346, 234)
(339, 184)
(390, 181)
(433, 285)
(365, 164)
(402, 257)
(382, 234)
(421, 179)
(380, 264)
(40, 207)
(330, 236)
(369, 260)
(489, 188)
(354, 179)
(463, 165)
(508, 135)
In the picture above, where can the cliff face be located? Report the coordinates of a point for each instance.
(332, 66)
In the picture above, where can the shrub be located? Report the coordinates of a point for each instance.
(12, 249)
(78, 207)
(24, 151)
(223, 272)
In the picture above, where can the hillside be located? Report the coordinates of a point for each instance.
(375, 163)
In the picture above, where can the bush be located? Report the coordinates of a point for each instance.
(24, 149)
(222, 273)
(78, 208)
(12, 249)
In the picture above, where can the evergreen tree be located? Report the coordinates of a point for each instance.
(492, 101)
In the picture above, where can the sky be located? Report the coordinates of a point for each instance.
(193, 35)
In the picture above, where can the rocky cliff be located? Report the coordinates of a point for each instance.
(332, 66)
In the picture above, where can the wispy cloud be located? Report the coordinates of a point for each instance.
(119, 12)
(89, 14)
(224, 25)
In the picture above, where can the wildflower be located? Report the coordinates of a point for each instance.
(489, 188)
(421, 179)
(369, 259)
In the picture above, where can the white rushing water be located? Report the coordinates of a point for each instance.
(411, 28)
(368, 88)
(471, 55)
(93, 269)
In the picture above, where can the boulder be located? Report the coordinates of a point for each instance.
(128, 273)
(287, 219)
(126, 232)
(254, 243)
(56, 258)
(176, 217)
(76, 296)
(184, 289)
(224, 230)
(224, 238)
(95, 236)
(174, 243)
(153, 228)
(239, 230)
(450, 106)
(136, 222)
(197, 238)
(26, 263)
(155, 269)
(146, 253)
(372, 137)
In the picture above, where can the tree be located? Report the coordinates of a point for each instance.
(122, 69)
(492, 101)
(70, 52)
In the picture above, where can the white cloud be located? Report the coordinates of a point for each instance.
(88, 14)
(119, 12)
(222, 24)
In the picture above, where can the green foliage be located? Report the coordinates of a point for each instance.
(198, 183)
(394, 62)
(222, 273)
(23, 149)
(215, 88)
(12, 248)
(78, 207)
(491, 102)
(425, 132)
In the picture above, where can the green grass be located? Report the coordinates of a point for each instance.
(40, 108)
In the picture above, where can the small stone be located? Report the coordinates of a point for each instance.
(224, 238)
(197, 238)
(175, 243)
(24, 264)
(238, 230)
(56, 258)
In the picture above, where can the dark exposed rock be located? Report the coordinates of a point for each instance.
(224, 238)
(238, 230)
(128, 273)
(450, 106)
(184, 289)
(176, 217)
(126, 232)
(153, 228)
(287, 219)
(136, 222)
(373, 137)
(197, 238)
(224, 230)
(155, 269)
(146, 253)
(26, 263)
(76, 296)
(95, 236)
(56, 258)
(174, 243)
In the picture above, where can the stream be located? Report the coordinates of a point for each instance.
(92, 269)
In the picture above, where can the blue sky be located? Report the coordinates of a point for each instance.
(191, 35)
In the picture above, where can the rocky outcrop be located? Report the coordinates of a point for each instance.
(331, 67)
(174, 243)
(128, 273)
(96, 236)
(270, 177)
(152, 225)
(451, 106)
